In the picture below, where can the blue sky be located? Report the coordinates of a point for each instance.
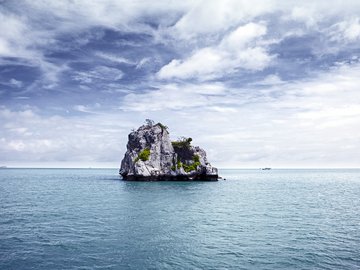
(255, 83)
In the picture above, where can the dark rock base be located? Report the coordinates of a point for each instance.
(171, 178)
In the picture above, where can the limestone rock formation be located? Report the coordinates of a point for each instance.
(152, 156)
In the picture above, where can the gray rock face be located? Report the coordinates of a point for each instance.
(151, 155)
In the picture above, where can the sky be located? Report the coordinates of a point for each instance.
(254, 83)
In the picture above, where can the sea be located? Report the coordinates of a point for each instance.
(255, 219)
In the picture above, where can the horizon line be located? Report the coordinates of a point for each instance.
(232, 168)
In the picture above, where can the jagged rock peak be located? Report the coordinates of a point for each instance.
(151, 155)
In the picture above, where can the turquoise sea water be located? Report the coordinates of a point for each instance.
(90, 219)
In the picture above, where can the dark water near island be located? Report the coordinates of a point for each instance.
(89, 219)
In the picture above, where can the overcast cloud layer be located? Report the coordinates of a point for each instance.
(255, 83)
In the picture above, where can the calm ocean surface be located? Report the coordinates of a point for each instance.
(90, 219)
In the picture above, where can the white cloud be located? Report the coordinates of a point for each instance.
(14, 37)
(348, 30)
(270, 80)
(15, 82)
(307, 123)
(87, 108)
(213, 17)
(205, 63)
(114, 58)
(29, 136)
(20, 39)
(237, 50)
(311, 122)
(100, 73)
(173, 96)
(143, 62)
(307, 14)
(113, 14)
(243, 36)
(218, 16)
(197, 24)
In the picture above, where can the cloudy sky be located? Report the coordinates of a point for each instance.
(255, 83)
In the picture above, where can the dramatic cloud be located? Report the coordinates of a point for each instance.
(257, 83)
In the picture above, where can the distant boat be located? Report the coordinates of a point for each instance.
(265, 169)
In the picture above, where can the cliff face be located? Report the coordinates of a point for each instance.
(151, 155)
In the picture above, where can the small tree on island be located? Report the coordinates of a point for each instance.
(182, 142)
(149, 122)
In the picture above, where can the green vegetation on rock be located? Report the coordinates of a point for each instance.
(163, 127)
(179, 164)
(143, 155)
(196, 158)
(182, 143)
(191, 167)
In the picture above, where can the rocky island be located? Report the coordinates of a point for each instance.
(151, 156)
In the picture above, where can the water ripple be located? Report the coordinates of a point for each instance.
(89, 219)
